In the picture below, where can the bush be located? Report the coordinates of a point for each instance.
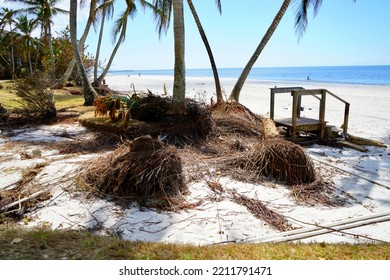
(36, 96)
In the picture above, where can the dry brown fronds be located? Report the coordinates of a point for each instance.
(235, 118)
(317, 192)
(101, 107)
(283, 161)
(260, 211)
(143, 169)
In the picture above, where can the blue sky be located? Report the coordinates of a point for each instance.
(342, 33)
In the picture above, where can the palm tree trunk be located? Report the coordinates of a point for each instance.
(209, 52)
(89, 92)
(61, 81)
(99, 80)
(12, 54)
(179, 82)
(29, 59)
(235, 94)
(99, 43)
(53, 64)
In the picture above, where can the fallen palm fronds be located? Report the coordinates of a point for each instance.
(144, 169)
(255, 206)
(260, 211)
(283, 161)
(236, 118)
(317, 192)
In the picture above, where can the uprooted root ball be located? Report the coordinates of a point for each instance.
(141, 169)
(283, 161)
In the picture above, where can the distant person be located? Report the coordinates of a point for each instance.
(308, 78)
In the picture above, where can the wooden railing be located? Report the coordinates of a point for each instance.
(320, 94)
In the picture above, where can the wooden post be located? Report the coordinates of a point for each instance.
(322, 114)
(294, 115)
(272, 105)
(346, 118)
(299, 106)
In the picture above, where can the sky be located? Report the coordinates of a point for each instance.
(342, 33)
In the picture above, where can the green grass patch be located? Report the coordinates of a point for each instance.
(9, 100)
(17, 243)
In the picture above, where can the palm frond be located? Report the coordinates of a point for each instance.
(301, 14)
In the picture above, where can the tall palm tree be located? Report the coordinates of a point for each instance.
(105, 10)
(162, 11)
(44, 10)
(91, 19)
(25, 27)
(7, 18)
(301, 23)
(208, 48)
(235, 94)
(179, 80)
(119, 29)
(89, 92)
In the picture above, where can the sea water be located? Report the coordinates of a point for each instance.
(369, 75)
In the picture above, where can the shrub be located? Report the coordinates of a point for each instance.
(36, 96)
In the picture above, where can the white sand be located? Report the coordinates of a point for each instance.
(219, 219)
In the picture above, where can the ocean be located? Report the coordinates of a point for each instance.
(368, 75)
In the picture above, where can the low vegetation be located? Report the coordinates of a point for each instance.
(46, 244)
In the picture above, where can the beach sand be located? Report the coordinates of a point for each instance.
(363, 179)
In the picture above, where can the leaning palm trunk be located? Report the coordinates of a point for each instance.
(209, 52)
(96, 65)
(179, 82)
(99, 80)
(61, 81)
(52, 62)
(89, 93)
(235, 94)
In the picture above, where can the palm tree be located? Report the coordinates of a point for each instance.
(25, 27)
(91, 18)
(89, 92)
(120, 27)
(301, 23)
(208, 48)
(44, 10)
(162, 10)
(179, 80)
(7, 16)
(105, 10)
(235, 94)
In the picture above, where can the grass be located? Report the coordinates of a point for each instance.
(62, 101)
(17, 243)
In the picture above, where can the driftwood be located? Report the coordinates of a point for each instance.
(353, 146)
(20, 201)
(366, 142)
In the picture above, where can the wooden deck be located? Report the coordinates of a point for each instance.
(302, 124)
(296, 123)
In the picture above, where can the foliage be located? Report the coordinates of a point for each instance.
(112, 105)
(63, 54)
(36, 97)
